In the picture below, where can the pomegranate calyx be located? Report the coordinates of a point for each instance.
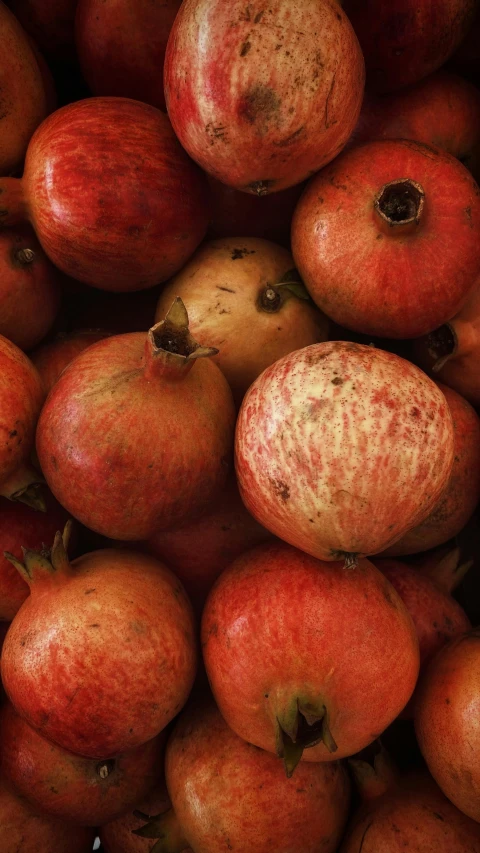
(38, 565)
(273, 296)
(25, 486)
(374, 774)
(399, 205)
(24, 257)
(442, 345)
(305, 727)
(166, 828)
(448, 572)
(172, 336)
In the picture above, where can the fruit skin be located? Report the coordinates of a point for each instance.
(50, 23)
(322, 431)
(156, 467)
(282, 631)
(222, 287)
(349, 258)
(404, 40)
(457, 503)
(118, 837)
(447, 721)
(123, 227)
(121, 46)
(276, 95)
(66, 683)
(52, 358)
(27, 831)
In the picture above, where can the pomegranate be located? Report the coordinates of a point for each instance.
(293, 660)
(405, 40)
(52, 358)
(63, 673)
(405, 812)
(387, 238)
(319, 434)
(139, 421)
(227, 793)
(451, 353)
(29, 288)
(234, 285)
(113, 198)
(50, 23)
(442, 110)
(121, 46)
(27, 831)
(22, 526)
(447, 721)
(80, 790)
(276, 95)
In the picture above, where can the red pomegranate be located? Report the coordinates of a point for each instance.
(447, 721)
(22, 526)
(273, 99)
(29, 288)
(227, 793)
(405, 812)
(121, 46)
(66, 677)
(405, 40)
(79, 790)
(50, 23)
(113, 198)
(142, 423)
(244, 297)
(322, 431)
(387, 238)
(451, 353)
(304, 654)
(52, 358)
(27, 831)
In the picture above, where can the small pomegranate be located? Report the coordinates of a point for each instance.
(387, 238)
(405, 812)
(50, 23)
(151, 426)
(313, 433)
(295, 663)
(114, 200)
(273, 99)
(447, 721)
(405, 40)
(234, 285)
(52, 358)
(63, 673)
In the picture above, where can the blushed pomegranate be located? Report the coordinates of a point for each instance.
(121, 46)
(50, 23)
(447, 721)
(114, 200)
(307, 655)
(273, 99)
(244, 297)
(319, 434)
(404, 40)
(52, 358)
(65, 673)
(151, 423)
(386, 238)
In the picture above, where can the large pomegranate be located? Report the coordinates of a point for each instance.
(113, 198)
(404, 40)
(136, 435)
(50, 23)
(275, 96)
(121, 46)
(447, 721)
(101, 655)
(244, 297)
(387, 238)
(307, 655)
(52, 358)
(322, 431)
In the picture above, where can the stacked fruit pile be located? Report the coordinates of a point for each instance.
(240, 455)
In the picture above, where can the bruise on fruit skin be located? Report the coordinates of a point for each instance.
(238, 255)
(259, 102)
(280, 489)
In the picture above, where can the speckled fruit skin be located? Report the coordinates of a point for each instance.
(121, 46)
(341, 448)
(447, 721)
(365, 274)
(50, 23)
(414, 816)
(462, 493)
(225, 791)
(113, 198)
(27, 831)
(404, 40)
(279, 624)
(78, 790)
(102, 656)
(52, 358)
(276, 95)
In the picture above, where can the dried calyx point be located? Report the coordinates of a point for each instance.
(24, 256)
(172, 335)
(47, 560)
(104, 769)
(272, 297)
(308, 727)
(400, 203)
(442, 345)
(165, 828)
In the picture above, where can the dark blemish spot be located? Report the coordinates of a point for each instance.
(88, 591)
(213, 630)
(259, 102)
(438, 816)
(379, 236)
(388, 597)
(266, 695)
(53, 790)
(258, 17)
(339, 17)
(12, 433)
(447, 701)
(237, 255)
(245, 48)
(226, 289)
(95, 625)
(311, 521)
(281, 489)
(289, 139)
(337, 381)
(54, 462)
(130, 731)
(214, 133)
(415, 413)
